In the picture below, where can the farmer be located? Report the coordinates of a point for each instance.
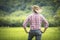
(35, 20)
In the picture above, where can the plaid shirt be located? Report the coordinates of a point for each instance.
(35, 21)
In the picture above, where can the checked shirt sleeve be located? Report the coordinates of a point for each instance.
(46, 24)
(25, 22)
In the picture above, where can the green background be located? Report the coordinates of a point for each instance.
(14, 12)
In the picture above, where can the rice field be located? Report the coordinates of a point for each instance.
(18, 33)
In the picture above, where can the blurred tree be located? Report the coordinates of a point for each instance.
(57, 17)
(18, 8)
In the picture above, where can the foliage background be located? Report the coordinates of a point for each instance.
(14, 12)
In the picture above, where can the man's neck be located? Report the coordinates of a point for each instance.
(35, 13)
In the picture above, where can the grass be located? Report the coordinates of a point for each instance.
(18, 33)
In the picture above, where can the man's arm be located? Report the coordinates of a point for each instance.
(46, 24)
(26, 30)
(25, 25)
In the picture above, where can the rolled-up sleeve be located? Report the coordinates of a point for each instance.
(25, 22)
(46, 24)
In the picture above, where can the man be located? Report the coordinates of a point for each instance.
(35, 20)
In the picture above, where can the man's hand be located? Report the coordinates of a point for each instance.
(42, 31)
(26, 30)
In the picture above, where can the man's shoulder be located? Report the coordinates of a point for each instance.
(30, 15)
(40, 14)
